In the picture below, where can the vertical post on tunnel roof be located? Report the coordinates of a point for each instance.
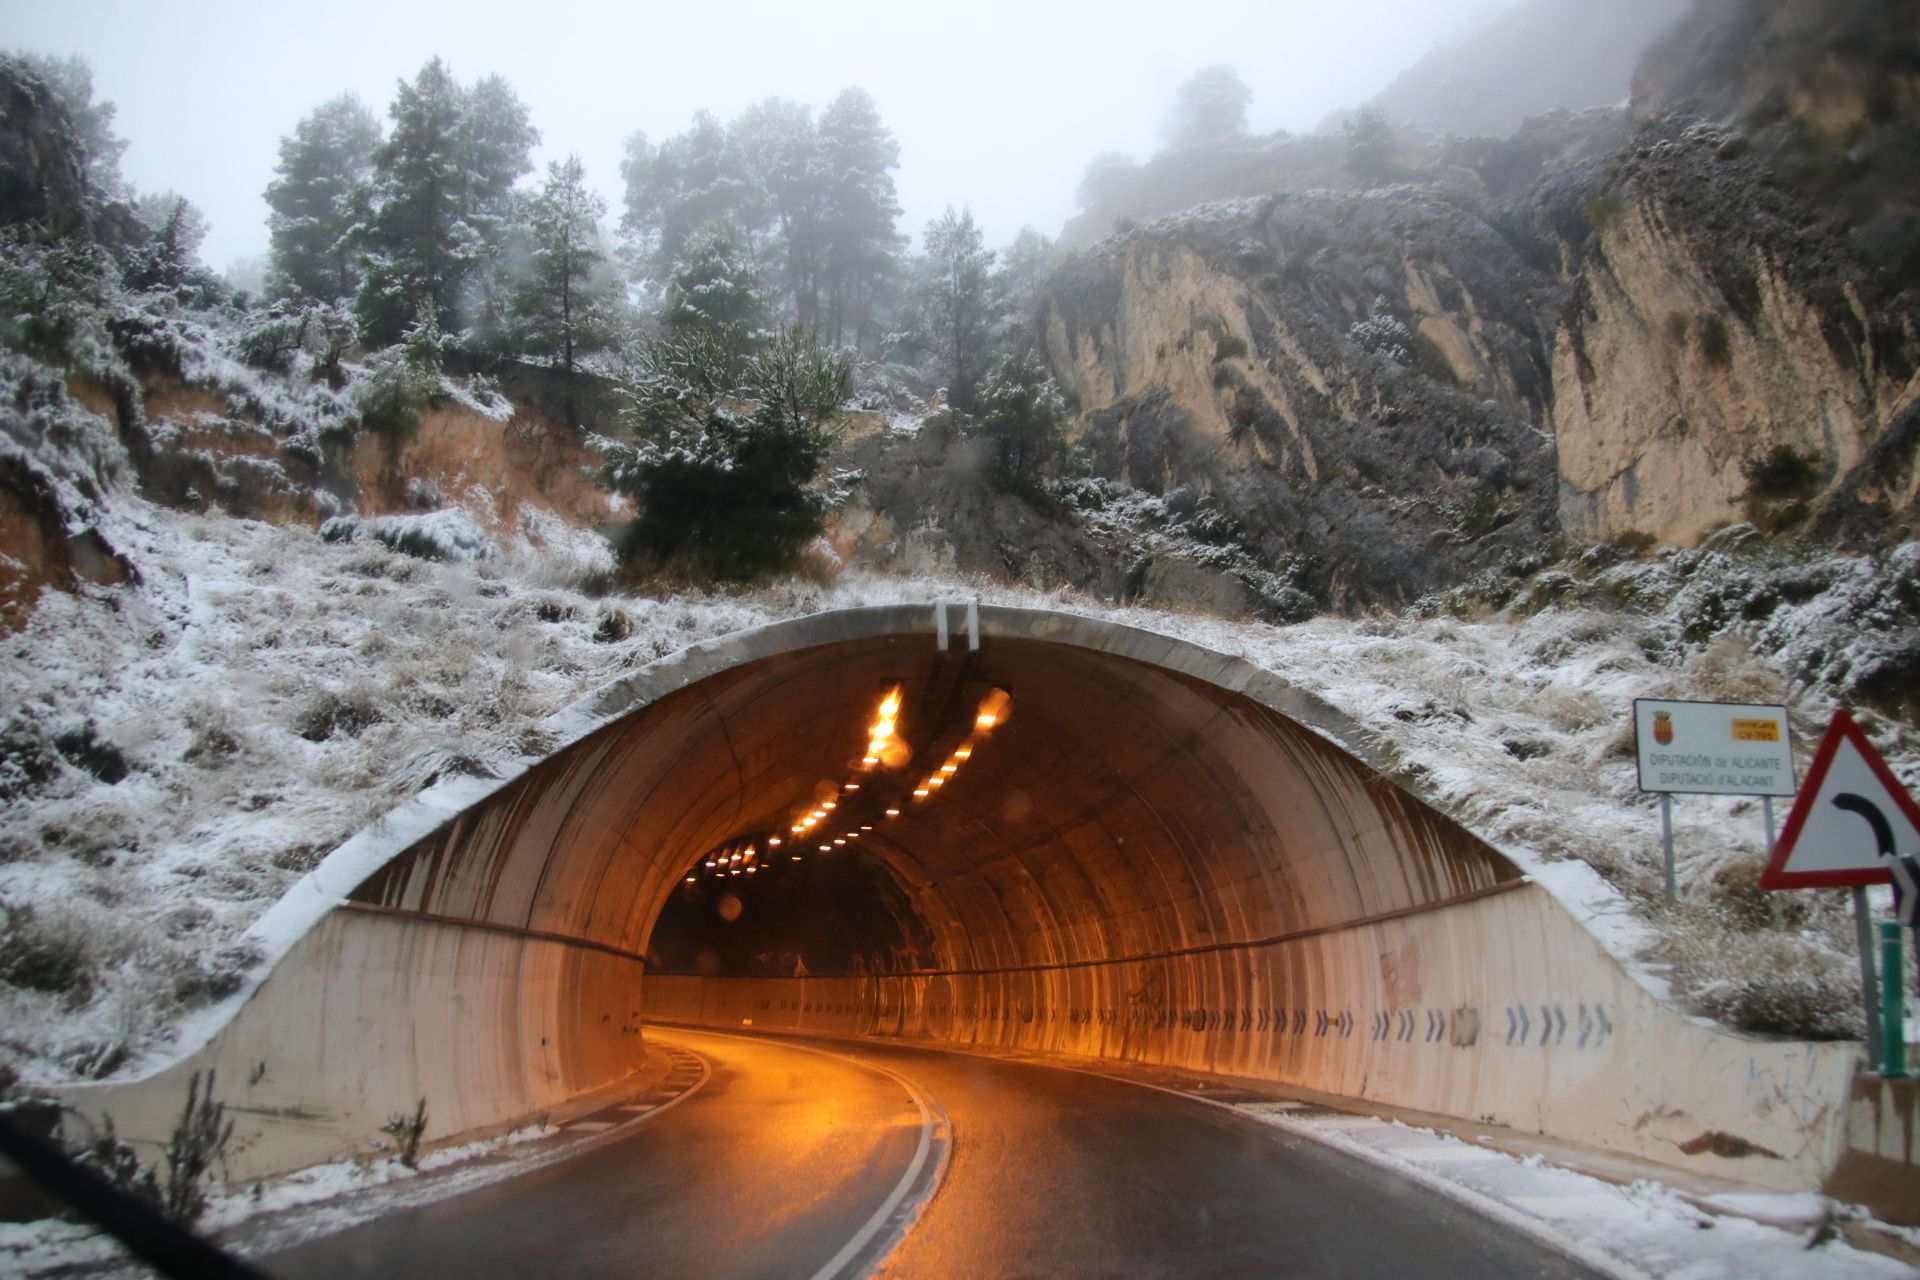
(973, 626)
(940, 625)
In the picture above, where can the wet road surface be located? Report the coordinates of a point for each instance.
(787, 1156)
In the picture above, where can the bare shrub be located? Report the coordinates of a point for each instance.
(198, 1144)
(406, 1131)
(48, 952)
(337, 713)
(1768, 981)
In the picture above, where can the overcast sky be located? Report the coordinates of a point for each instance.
(997, 106)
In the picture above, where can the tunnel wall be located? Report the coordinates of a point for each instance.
(1210, 842)
(1423, 1012)
(369, 1012)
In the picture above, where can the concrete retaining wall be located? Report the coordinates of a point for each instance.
(369, 1013)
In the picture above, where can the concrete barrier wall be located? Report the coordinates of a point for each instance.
(1540, 1031)
(1879, 1163)
(369, 1013)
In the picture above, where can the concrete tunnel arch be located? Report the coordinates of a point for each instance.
(1167, 855)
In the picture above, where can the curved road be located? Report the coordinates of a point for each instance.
(796, 1153)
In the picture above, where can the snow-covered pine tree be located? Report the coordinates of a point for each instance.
(779, 148)
(564, 304)
(440, 208)
(1019, 284)
(862, 246)
(691, 183)
(960, 309)
(716, 293)
(320, 196)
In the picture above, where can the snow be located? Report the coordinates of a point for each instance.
(268, 1216)
(1634, 1231)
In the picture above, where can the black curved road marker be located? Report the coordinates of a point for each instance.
(1882, 829)
(154, 1238)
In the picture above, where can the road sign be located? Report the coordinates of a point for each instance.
(1713, 748)
(1853, 818)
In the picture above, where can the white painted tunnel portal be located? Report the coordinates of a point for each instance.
(1164, 855)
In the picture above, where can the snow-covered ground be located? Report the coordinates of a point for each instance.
(1631, 1232)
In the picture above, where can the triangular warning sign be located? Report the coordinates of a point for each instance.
(1850, 821)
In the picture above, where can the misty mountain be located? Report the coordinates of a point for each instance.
(1538, 56)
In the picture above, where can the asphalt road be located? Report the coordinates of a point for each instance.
(797, 1153)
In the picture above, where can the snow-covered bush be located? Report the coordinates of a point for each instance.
(1382, 334)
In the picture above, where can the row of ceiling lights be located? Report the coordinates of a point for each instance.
(885, 749)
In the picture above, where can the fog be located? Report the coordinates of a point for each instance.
(996, 106)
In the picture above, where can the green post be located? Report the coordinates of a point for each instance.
(1893, 1000)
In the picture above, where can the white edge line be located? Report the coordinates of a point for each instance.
(456, 1180)
(860, 1239)
(1486, 1205)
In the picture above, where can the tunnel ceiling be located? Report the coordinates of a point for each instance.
(1122, 809)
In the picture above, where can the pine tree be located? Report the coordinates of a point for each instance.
(441, 208)
(779, 148)
(319, 199)
(71, 80)
(1024, 415)
(961, 313)
(1210, 106)
(175, 230)
(861, 246)
(1020, 286)
(692, 183)
(715, 294)
(563, 304)
(724, 493)
(1370, 146)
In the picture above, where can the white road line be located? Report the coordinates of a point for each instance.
(882, 1217)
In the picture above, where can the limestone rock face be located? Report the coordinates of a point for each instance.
(1709, 331)
(1701, 310)
(1354, 374)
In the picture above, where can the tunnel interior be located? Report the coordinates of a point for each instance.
(1031, 802)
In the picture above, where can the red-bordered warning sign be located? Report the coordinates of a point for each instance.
(1852, 818)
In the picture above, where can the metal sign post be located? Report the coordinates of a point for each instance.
(1894, 1011)
(1869, 994)
(1666, 841)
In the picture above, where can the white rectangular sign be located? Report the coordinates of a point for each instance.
(1713, 748)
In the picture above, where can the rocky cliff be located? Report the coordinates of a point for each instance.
(1650, 322)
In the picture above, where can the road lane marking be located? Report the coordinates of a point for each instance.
(893, 1216)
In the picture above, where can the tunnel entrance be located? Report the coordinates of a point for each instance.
(1155, 853)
